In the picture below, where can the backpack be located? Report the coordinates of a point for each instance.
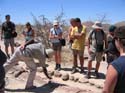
(99, 47)
(3, 57)
(112, 47)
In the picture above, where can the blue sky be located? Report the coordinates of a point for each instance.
(20, 10)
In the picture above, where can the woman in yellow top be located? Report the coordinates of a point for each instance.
(78, 35)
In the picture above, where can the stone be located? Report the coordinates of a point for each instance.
(50, 73)
(65, 76)
(76, 79)
(39, 69)
(71, 78)
(99, 85)
(83, 80)
(92, 82)
(57, 74)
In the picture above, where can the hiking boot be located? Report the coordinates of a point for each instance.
(73, 70)
(97, 74)
(88, 76)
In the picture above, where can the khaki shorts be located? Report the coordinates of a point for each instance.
(8, 42)
(97, 56)
(78, 52)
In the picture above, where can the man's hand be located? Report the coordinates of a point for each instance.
(22, 47)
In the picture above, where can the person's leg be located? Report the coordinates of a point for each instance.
(56, 60)
(12, 45)
(59, 56)
(13, 60)
(55, 55)
(98, 59)
(33, 68)
(59, 59)
(75, 64)
(81, 58)
(91, 58)
(74, 61)
(6, 43)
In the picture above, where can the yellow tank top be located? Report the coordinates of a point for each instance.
(79, 44)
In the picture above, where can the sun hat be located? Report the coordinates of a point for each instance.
(97, 25)
(55, 23)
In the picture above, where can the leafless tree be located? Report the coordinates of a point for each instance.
(103, 18)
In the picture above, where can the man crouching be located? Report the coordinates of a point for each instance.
(27, 53)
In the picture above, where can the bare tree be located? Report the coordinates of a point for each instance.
(0, 21)
(102, 18)
(41, 31)
(60, 18)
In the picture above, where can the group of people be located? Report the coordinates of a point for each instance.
(98, 43)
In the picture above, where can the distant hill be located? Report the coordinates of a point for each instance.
(89, 24)
(122, 23)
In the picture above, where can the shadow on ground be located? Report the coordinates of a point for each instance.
(47, 88)
(101, 75)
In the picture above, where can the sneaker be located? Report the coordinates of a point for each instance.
(59, 67)
(56, 67)
(82, 70)
(73, 70)
(31, 87)
(97, 74)
(88, 76)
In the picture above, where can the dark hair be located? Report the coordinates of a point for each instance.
(7, 16)
(77, 19)
(72, 19)
(112, 28)
(28, 24)
(120, 34)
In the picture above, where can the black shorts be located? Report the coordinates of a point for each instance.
(57, 46)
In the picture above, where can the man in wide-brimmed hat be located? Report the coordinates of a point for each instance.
(96, 40)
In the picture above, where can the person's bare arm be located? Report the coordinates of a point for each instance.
(111, 80)
(23, 46)
(79, 35)
(2, 31)
(106, 42)
(51, 36)
(46, 73)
